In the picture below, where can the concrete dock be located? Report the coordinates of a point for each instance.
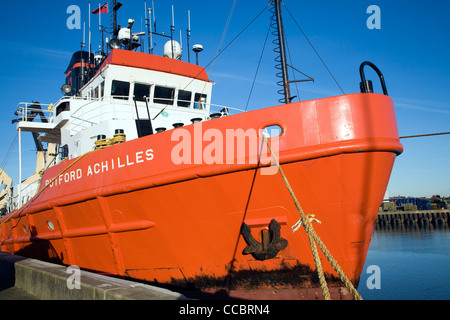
(29, 279)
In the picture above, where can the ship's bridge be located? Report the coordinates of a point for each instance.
(133, 93)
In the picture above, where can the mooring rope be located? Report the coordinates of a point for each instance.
(425, 135)
(314, 240)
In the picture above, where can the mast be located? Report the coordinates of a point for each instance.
(280, 31)
(188, 31)
(114, 19)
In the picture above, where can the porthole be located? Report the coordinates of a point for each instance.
(50, 225)
(272, 131)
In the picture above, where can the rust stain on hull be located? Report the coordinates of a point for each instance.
(298, 282)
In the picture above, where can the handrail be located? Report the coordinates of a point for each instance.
(23, 111)
(187, 101)
(365, 86)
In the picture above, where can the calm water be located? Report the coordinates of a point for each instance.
(413, 266)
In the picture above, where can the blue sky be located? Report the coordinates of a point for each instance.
(411, 49)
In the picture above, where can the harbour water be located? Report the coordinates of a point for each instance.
(409, 265)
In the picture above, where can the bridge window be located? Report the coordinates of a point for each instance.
(141, 91)
(94, 93)
(164, 95)
(102, 89)
(200, 101)
(120, 89)
(184, 98)
(64, 106)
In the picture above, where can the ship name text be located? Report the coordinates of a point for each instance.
(102, 167)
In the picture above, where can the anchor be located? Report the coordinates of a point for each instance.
(270, 245)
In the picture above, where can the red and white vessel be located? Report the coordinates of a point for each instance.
(143, 177)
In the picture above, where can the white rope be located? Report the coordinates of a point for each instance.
(300, 223)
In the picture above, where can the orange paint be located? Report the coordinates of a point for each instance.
(152, 62)
(140, 215)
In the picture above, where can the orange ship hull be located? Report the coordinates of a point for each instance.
(129, 210)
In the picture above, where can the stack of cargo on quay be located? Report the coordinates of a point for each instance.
(402, 213)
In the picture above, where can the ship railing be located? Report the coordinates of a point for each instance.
(196, 105)
(27, 111)
(216, 108)
(87, 114)
(77, 98)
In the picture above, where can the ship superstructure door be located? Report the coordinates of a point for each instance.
(141, 94)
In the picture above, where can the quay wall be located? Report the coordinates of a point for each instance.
(45, 281)
(413, 220)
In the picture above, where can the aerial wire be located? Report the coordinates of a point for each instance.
(9, 152)
(425, 135)
(219, 53)
(318, 55)
(225, 30)
(257, 68)
(292, 68)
